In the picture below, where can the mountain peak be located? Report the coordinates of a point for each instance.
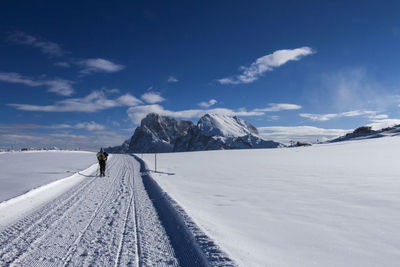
(224, 125)
(159, 133)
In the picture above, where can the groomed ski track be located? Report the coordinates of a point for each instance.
(123, 219)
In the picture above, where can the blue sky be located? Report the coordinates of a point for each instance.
(76, 74)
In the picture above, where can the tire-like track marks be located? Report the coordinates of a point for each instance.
(191, 245)
(124, 219)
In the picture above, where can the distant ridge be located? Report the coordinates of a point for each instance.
(158, 133)
(366, 132)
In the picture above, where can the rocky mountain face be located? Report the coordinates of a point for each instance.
(160, 134)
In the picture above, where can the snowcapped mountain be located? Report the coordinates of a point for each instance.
(160, 133)
(227, 126)
(212, 132)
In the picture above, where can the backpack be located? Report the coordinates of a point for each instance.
(102, 156)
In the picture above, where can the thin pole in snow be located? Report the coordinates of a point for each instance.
(155, 161)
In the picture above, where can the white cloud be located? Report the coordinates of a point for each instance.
(49, 48)
(310, 134)
(113, 91)
(128, 100)
(379, 117)
(273, 118)
(12, 77)
(62, 64)
(139, 112)
(353, 88)
(319, 117)
(208, 104)
(58, 86)
(354, 113)
(267, 63)
(152, 97)
(172, 79)
(279, 107)
(93, 102)
(89, 126)
(99, 65)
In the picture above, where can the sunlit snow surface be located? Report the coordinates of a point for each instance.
(21, 172)
(325, 205)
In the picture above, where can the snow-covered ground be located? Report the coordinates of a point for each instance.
(102, 221)
(122, 219)
(325, 205)
(24, 171)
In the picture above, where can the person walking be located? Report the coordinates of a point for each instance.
(102, 158)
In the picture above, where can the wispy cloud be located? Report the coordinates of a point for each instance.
(285, 134)
(58, 86)
(89, 126)
(279, 107)
(208, 104)
(152, 97)
(354, 113)
(353, 88)
(92, 65)
(172, 79)
(267, 63)
(137, 113)
(95, 101)
(319, 117)
(47, 47)
(63, 64)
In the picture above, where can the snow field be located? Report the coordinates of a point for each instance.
(325, 205)
(107, 221)
(24, 171)
(101, 221)
(192, 247)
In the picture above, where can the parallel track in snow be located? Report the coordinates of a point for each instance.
(103, 221)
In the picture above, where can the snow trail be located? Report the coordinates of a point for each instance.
(95, 223)
(123, 219)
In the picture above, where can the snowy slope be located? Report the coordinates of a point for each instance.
(326, 205)
(368, 134)
(225, 126)
(24, 171)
